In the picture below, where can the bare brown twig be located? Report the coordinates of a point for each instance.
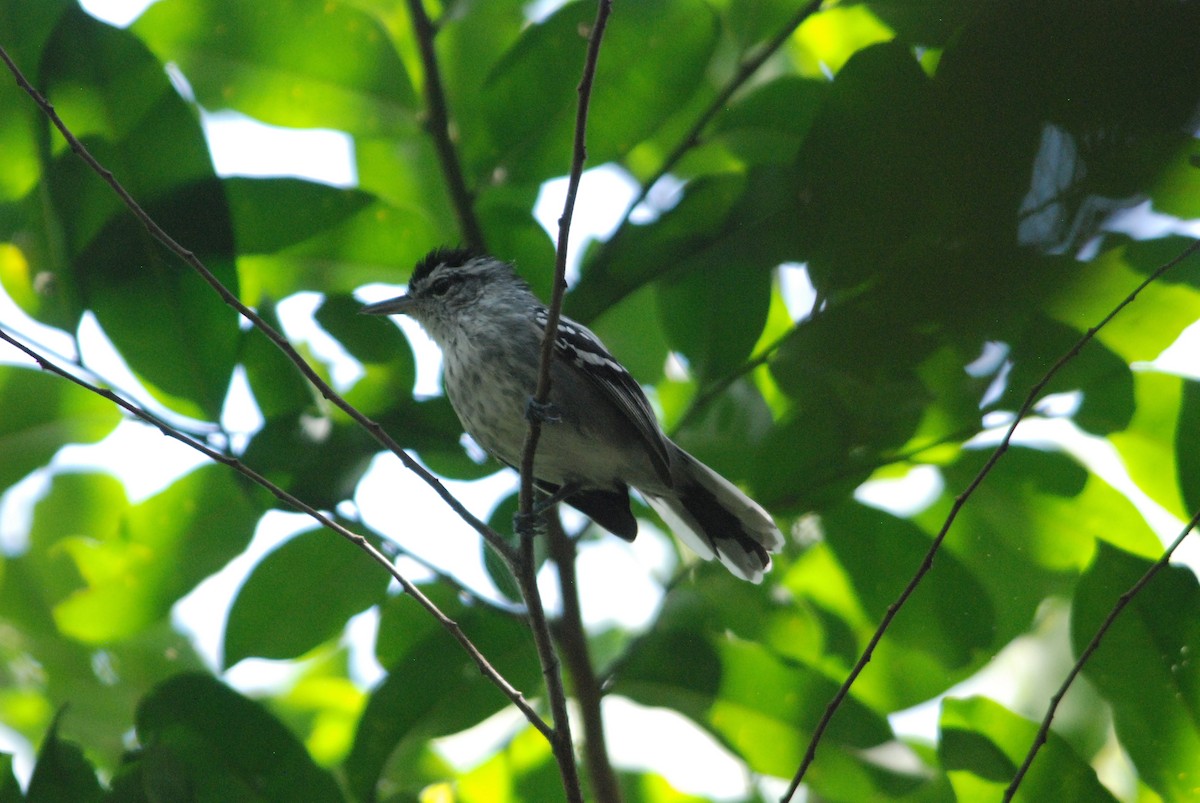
(361, 542)
(959, 501)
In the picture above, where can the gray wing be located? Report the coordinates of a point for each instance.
(575, 345)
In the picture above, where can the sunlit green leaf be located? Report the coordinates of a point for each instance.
(983, 743)
(136, 563)
(531, 110)
(1144, 665)
(286, 62)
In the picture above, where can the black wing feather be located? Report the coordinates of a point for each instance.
(577, 346)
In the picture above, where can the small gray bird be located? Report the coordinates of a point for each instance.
(600, 435)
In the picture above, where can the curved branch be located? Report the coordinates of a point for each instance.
(437, 124)
(959, 501)
(485, 667)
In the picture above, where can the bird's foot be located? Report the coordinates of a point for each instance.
(527, 525)
(542, 412)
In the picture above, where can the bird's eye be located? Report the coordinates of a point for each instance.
(439, 287)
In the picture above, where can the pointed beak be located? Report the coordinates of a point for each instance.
(393, 306)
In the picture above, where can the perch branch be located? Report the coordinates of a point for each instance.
(574, 647)
(563, 745)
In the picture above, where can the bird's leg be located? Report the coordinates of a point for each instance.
(542, 412)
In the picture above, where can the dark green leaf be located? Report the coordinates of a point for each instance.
(1187, 436)
(317, 581)
(881, 552)
(62, 772)
(531, 109)
(10, 790)
(1144, 665)
(280, 390)
(433, 688)
(272, 214)
(203, 741)
(314, 458)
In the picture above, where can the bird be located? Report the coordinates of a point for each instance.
(600, 436)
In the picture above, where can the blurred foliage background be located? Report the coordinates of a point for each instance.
(967, 186)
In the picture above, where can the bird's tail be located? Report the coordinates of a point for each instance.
(714, 518)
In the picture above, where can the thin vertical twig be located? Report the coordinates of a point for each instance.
(563, 744)
(960, 500)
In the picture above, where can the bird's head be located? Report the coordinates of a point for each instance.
(450, 283)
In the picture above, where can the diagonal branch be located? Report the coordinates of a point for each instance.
(743, 74)
(485, 667)
(563, 745)
(194, 262)
(959, 501)
(437, 124)
(1122, 601)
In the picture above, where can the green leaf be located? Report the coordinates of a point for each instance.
(169, 326)
(880, 553)
(286, 62)
(62, 772)
(1144, 665)
(203, 741)
(1187, 435)
(43, 413)
(137, 562)
(10, 790)
(295, 578)
(983, 743)
(433, 688)
(531, 109)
